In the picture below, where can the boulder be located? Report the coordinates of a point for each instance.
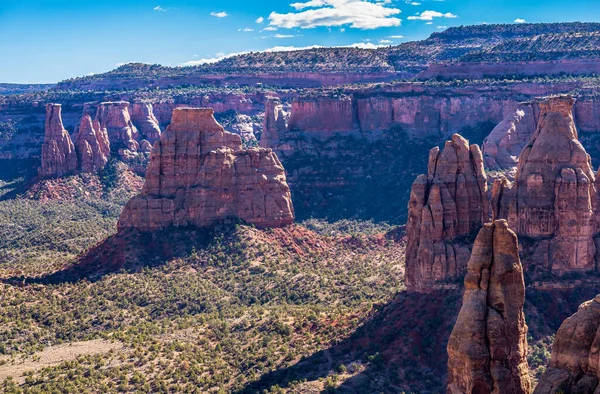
(487, 349)
(58, 152)
(199, 174)
(446, 205)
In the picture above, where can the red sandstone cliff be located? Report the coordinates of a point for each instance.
(142, 115)
(199, 174)
(92, 146)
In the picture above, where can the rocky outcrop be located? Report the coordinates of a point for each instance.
(488, 346)
(575, 365)
(143, 117)
(199, 174)
(275, 124)
(113, 118)
(445, 206)
(554, 196)
(92, 146)
(503, 145)
(58, 152)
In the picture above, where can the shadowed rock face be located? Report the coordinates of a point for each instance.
(575, 364)
(445, 206)
(199, 174)
(488, 346)
(554, 196)
(58, 152)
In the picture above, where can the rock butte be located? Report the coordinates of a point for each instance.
(554, 198)
(575, 364)
(445, 206)
(58, 152)
(487, 348)
(93, 146)
(199, 174)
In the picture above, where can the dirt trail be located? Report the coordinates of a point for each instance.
(53, 355)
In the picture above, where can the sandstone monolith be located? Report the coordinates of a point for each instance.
(58, 152)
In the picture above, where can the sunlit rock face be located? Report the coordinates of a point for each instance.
(58, 152)
(446, 205)
(199, 174)
(487, 349)
(554, 197)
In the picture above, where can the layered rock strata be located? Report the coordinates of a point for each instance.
(503, 145)
(446, 205)
(487, 349)
(58, 152)
(199, 174)
(575, 363)
(554, 197)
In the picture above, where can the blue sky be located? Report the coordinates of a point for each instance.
(51, 40)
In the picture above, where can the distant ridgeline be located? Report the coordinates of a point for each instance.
(510, 43)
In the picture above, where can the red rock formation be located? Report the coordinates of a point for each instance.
(275, 124)
(554, 195)
(199, 174)
(113, 118)
(142, 115)
(58, 152)
(92, 146)
(575, 365)
(487, 350)
(324, 116)
(445, 206)
(503, 145)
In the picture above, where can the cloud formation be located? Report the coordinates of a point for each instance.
(358, 14)
(429, 15)
(159, 8)
(520, 20)
(221, 14)
(260, 20)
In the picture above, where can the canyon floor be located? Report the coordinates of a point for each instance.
(314, 307)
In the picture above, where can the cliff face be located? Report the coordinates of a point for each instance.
(113, 118)
(93, 146)
(199, 174)
(554, 196)
(58, 152)
(502, 147)
(445, 206)
(488, 346)
(142, 115)
(575, 366)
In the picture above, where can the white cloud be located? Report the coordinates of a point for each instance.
(385, 41)
(220, 56)
(260, 20)
(246, 29)
(395, 37)
(442, 27)
(269, 28)
(358, 14)
(413, 3)
(520, 20)
(429, 15)
(284, 36)
(159, 8)
(221, 14)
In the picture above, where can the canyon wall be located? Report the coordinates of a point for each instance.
(199, 174)
(487, 350)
